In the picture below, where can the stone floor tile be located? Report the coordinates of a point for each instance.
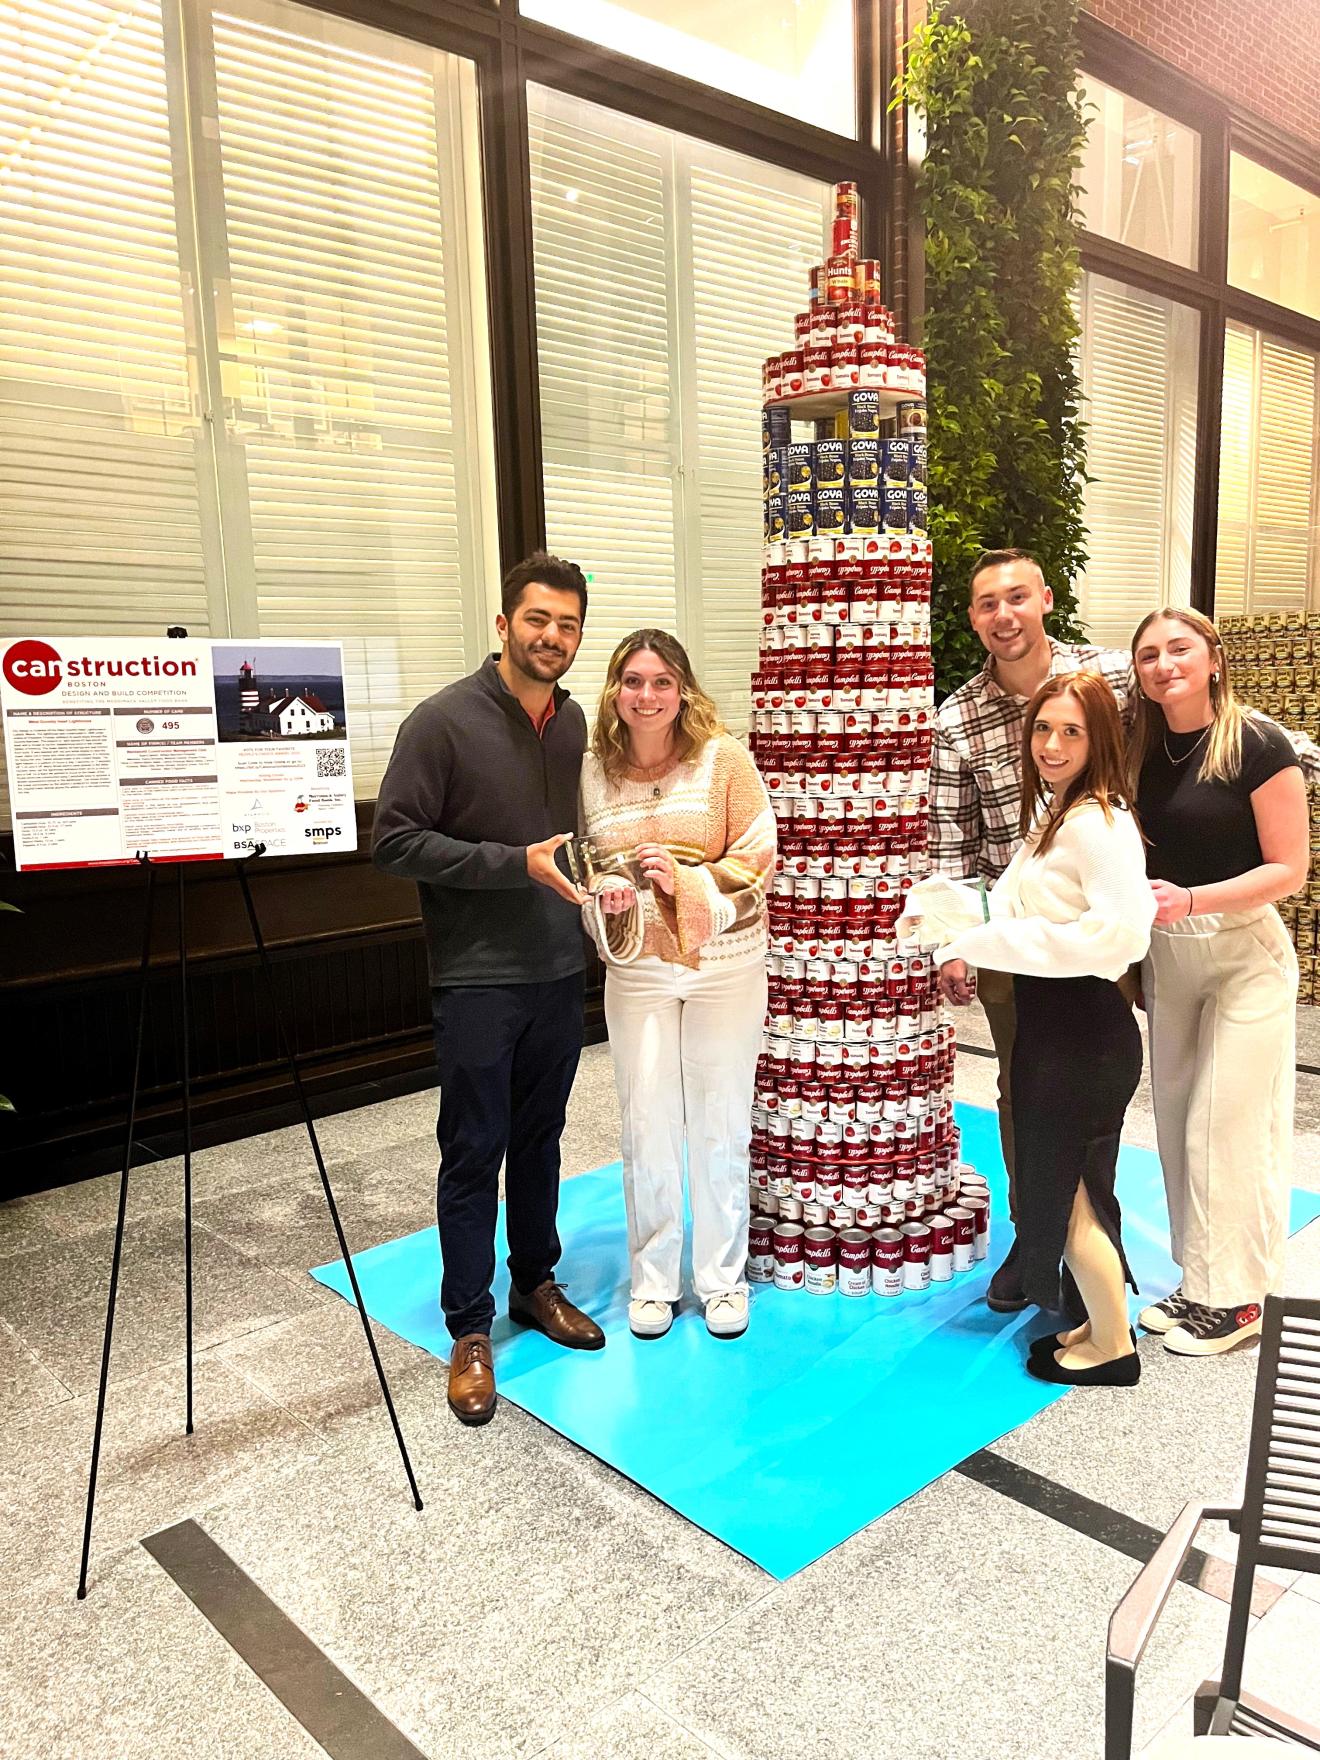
(630, 1729)
(134, 1670)
(24, 1383)
(54, 1299)
(961, 1623)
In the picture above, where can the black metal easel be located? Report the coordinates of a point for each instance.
(286, 1048)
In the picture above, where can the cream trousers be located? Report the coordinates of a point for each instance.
(1221, 995)
(685, 1046)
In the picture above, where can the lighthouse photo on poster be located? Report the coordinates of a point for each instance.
(185, 750)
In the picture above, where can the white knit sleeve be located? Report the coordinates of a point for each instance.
(1106, 937)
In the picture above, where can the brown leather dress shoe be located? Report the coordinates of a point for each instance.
(549, 1310)
(472, 1379)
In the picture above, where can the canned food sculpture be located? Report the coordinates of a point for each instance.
(857, 1186)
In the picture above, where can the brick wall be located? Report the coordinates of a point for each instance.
(1265, 54)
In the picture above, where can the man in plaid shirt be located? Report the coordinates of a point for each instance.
(976, 785)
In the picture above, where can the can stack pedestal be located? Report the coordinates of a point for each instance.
(857, 1185)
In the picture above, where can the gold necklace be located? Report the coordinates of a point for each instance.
(1191, 748)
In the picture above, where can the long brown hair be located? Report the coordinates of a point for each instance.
(1105, 777)
(697, 720)
(1222, 758)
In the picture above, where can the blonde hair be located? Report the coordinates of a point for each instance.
(1103, 780)
(1222, 759)
(697, 720)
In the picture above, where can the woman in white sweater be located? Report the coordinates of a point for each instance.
(1069, 915)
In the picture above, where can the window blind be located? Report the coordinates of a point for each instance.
(100, 515)
(605, 322)
(753, 243)
(1269, 497)
(666, 270)
(1138, 355)
(335, 213)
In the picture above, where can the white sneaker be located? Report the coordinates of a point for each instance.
(726, 1314)
(648, 1319)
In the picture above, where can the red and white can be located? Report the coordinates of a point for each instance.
(941, 1248)
(820, 1258)
(760, 1250)
(916, 1255)
(854, 1262)
(789, 1252)
(980, 1209)
(887, 1262)
(964, 1237)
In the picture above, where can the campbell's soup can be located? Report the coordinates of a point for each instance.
(887, 1262)
(854, 1262)
(815, 1215)
(791, 373)
(789, 1240)
(819, 1257)
(980, 1209)
(916, 1255)
(941, 1248)
(760, 1250)
(964, 1237)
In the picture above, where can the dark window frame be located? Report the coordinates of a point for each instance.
(509, 52)
(1224, 127)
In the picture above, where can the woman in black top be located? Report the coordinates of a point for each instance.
(1222, 802)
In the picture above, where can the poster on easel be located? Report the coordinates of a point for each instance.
(186, 750)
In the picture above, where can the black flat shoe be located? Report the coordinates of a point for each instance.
(1049, 1342)
(1117, 1372)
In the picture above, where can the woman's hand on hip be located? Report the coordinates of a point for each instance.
(658, 866)
(1172, 903)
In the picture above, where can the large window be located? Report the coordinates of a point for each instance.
(666, 270)
(1139, 176)
(1273, 237)
(1139, 378)
(795, 56)
(1269, 492)
(243, 383)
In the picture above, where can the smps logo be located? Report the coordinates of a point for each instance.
(35, 668)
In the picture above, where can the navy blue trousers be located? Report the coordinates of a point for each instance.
(507, 1057)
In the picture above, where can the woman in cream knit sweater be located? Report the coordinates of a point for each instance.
(685, 984)
(1067, 917)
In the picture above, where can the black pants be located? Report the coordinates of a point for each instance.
(507, 1058)
(1076, 1064)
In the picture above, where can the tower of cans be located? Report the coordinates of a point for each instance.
(1276, 668)
(857, 1185)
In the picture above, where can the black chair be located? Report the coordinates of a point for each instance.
(1278, 1523)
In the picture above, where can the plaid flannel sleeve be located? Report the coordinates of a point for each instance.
(956, 830)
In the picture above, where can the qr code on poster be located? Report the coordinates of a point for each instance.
(330, 761)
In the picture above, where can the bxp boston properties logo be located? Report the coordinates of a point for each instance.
(36, 669)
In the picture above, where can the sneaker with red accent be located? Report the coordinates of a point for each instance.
(1205, 1332)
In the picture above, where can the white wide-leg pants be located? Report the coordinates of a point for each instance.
(685, 1046)
(1221, 995)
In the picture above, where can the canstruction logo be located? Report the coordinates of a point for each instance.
(36, 668)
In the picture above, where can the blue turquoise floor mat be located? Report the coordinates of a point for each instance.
(828, 1411)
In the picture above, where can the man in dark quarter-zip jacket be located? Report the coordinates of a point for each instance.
(480, 792)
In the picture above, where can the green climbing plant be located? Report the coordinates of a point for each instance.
(1004, 133)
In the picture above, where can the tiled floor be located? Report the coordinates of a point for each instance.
(540, 1604)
